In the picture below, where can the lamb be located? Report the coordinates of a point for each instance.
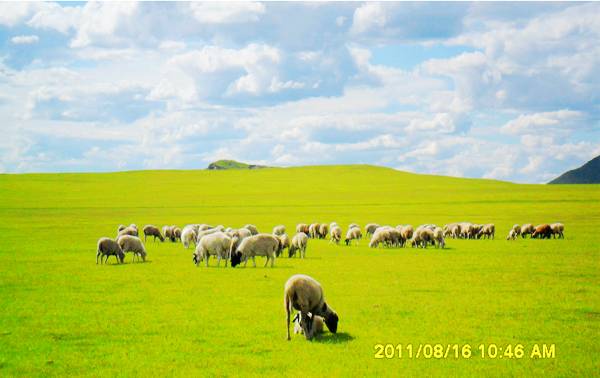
(318, 324)
(302, 227)
(284, 242)
(108, 247)
(488, 231)
(438, 237)
(527, 229)
(217, 244)
(279, 230)
(558, 229)
(313, 230)
(544, 231)
(353, 234)
(256, 245)
(370, 228)
(133, 244)
(299, 243)
(252, 229)
(305, 294)
(150, 230)
(336, 234)
(323, 231)
(188, 236)
(128, 231)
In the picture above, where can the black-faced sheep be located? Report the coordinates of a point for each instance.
(558, 229)
(353, 234)
(304, 294)
(407, 232)
(133, 244)
(216, 244)
(150, 230)
(299, 243)
(108, 247)
(256, 245)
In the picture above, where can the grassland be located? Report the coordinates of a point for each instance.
(61, 314)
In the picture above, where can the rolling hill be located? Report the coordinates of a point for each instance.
(589, 173)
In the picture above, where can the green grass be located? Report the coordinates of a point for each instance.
(61, 314)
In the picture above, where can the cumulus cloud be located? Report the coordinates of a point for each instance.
(223, 13)
(542, 123)
(24, 39)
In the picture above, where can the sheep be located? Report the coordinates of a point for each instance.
(133, 225)
(517, 230)
(150, 230)
(544, 231)
(353, 225)
(407, 233)
(188, 236)
(133, 244)
(465, 229)
(236, 238)
(200, 234)
(252, 229)
(512, 234)
(421, 237)
(475, 231)
(284, 242)
(279, 230)
(558, 229)
(336, 234)
(299, 243)
(128, 231)
(332, 225)
(370, 228)
(167, 232)
(108, 247)
(256, 245)
(305, 294)
(379, 236)
(488, 231)
(203, 227)
(121, 228)
(353, 234)
(438, 237)
(318, 324)
(527, 229)
(323, 231)
(313, 230)
(176, 235)
(217, 244)
(302, 227)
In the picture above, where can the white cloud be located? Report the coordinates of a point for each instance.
(367, 17)
(24, 39)
(540, 122)
(227, 12)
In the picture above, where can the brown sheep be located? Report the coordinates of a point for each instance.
(150, 230)
(544, 231)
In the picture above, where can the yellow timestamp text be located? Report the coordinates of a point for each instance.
(465, 351)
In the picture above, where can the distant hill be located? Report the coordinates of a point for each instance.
(232, 164)
(589, 173)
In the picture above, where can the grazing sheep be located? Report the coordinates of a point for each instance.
(133, 244)
(108, 247)
(422, 237)
(517, 230)
(216, 244)
(336, 235)
(150, 230)
(558, 229)
(128, 231)
(284, 242)
(438, 237)
(323, 231)
(302, 227)
(465, 229)
(200, 234)
(512, 234)
(252, 229)
(313, 230)
(527, 229)
(488, 231)
(299, 243)
(407, 232)
(167, 232)
(203, 227)
(353, 234)
(256, 245)
(370, 228)
(279, 230)
(318, 324)
(236, 238)
(332, 225)
(353, 225)
(188, 236)
(381, 235)
(176, 235)
(544, 231)
(305, 294)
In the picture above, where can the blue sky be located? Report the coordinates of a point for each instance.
(507, 91)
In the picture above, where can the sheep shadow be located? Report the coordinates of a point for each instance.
(334, 338)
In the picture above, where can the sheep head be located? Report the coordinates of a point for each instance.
(236, 259)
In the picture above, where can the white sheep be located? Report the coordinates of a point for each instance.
(336, 234)
(256, 245)
(284, 242)
(128, 231)
(216, 244)
(304, 294)
(302, 227)
(527, 229)
(438, 237)
(299, 243)
(370, 228)
(188, 236)
(557, 229)
(313, 230)
(353, 234)
(108, 247)
(279, 230)
(252, 229)
(133, 244)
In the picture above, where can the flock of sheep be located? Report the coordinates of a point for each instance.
(301, 293)
(240, 245)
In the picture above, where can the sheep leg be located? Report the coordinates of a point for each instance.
(207, 257)
(254, 261)
(218, 261)
(287, 312)
(97, 254)
(266, 262)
